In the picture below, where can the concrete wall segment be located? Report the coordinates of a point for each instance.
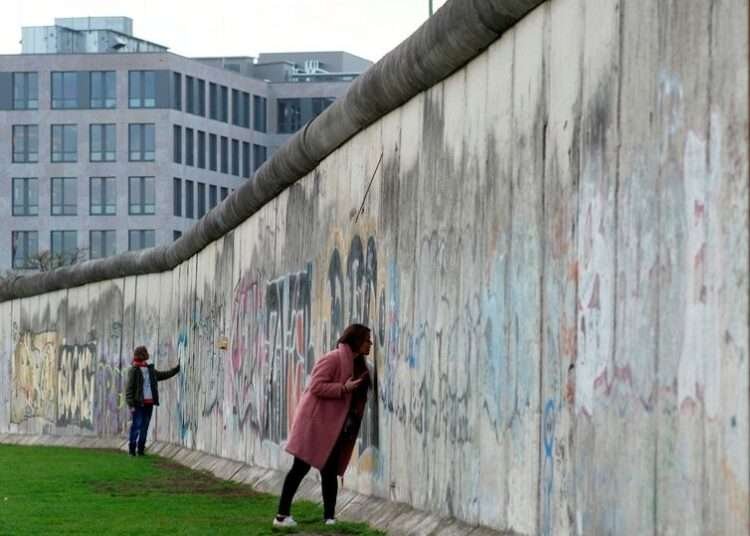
(444, 43)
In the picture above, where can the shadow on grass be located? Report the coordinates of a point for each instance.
(174, 479)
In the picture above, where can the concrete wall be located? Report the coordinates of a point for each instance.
(553, 256)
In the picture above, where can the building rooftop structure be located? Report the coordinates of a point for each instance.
(85, 35)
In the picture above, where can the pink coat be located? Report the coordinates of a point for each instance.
(322, 411)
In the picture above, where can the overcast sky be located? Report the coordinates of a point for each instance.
(367, 28)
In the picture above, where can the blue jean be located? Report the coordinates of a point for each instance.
(139, 427)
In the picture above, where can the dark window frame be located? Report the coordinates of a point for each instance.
(142, 206)
(64, 155)
(63, 233)
(104, 127)
(141, 234)
(139, 80)
(26, 207)
(106, 185)
(177, 197)
(142, 149)
(108, 99)
(25, 100)
(24, 156)
(14, 236)
(93, 254)
(64, 101)
(176, 91)
(65, 208)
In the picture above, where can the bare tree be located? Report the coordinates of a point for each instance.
(46, 261)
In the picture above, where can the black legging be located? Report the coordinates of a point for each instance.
(327, 479)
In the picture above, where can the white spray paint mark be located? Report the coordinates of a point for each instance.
(698, 376)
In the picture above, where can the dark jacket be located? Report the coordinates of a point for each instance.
(134, 384)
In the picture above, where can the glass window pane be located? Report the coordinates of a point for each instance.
(110, 143)
(134, 89)
(149, 142)
(32, 95)
(110, 89)
(70, 90)
(95, 143)
(149, 90)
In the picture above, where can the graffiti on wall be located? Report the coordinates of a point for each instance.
(34, 373)
(53, 381)
(202, 392)
(352, 284)
(270, 352)
(75, 385)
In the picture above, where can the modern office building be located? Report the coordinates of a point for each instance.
(111, 143)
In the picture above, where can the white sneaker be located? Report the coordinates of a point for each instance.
(288, 521)
(330, 521)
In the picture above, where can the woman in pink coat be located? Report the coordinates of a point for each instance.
(327, 421)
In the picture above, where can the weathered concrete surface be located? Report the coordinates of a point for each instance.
(553, 255)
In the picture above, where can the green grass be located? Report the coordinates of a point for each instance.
(55, 490)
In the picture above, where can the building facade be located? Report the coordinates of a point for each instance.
(110, 150)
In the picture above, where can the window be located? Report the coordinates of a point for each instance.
(235, 157)
(201, 199)
(102, 143)
(245, 114)
(212, 198)
(64, 196)
(25, 91)
(224, 105)
(259, 117)
(25, 143)
(189, 95)
(141, 196)
(64, 247)
(290, 116)
(201, 149)
(189, 200)
(25, 196)
(103, 89)
(101, 244)
(65, 90)
(200, 95)
(102, 196)
(25, 246)
(189, 147)
(212, 152)
(213, 101)
(177, 197)
(245, 159)
(259, 156)
(141, 239)
(176, 235)
(64, 143)
(141, 142)
(142, 89)
(224, 192)
(177, 144)
(235, 107)
(224, 154)
(176, 91)
(319, 104)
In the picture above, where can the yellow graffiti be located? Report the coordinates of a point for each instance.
(34, 377)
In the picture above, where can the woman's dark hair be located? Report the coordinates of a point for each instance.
(141, 352)
(354, 336)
